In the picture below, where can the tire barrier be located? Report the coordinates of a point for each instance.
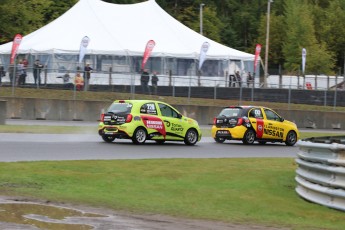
(321, 171)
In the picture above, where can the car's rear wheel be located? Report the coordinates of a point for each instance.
(139, 136)
(108, 138)
(291, 138)
(219, 139)
(191, 137)
(249, 137)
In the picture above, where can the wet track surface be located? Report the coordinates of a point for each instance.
(35, 147)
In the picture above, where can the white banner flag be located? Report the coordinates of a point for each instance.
(304, 57)
(83, 45)
(203, 51)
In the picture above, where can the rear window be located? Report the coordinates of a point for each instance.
(120, 108)
(231, 112)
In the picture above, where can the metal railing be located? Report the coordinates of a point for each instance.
(321, 171)
(287, 91)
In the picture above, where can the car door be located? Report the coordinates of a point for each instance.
(274, 127)
(174, 125)
(256, 118)
(153, 123)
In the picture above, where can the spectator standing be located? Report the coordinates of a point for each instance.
(144, 80)
(232, 80)
(154, 82)
(238, 78)
(21, 71)
(79, 82)
(249, 80)
(2, 74)
(87, 75)
(37, 72)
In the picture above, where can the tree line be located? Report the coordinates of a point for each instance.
(316, 25)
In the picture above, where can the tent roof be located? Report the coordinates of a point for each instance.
(121, 29)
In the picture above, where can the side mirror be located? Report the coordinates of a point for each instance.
(179, 115)
(282, 119)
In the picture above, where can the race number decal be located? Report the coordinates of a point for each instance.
(152, 122)
(259, 127)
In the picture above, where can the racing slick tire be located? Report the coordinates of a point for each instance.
(108, 138)
(249, 137)
(140, 136)
(291, 138)
(191, 137)
(219, 139)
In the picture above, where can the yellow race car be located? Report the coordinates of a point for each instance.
(253, 123)
(141, 120)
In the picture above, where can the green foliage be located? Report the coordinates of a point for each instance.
(21, 17)
(300, 33)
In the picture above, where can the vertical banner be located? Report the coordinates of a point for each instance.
(148, 49)
(203, 51)
(83, 45)
(15, 45)
(304, 57)
(257, 55)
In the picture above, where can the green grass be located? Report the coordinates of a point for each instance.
(244, 191)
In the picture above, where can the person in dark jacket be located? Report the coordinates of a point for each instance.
(144, 80)
(154, 82)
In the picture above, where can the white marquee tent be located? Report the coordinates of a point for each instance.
(116, 28)
(121, 29)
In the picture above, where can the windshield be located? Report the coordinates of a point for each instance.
(120, 108)
(231, 112)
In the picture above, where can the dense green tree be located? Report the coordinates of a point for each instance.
(22, 16)
(300, 33)
(57, 8)
(332, 29)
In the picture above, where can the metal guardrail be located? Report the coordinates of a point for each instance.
(321, 171)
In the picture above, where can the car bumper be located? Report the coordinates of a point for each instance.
(228, 133)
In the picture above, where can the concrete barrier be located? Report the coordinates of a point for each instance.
(67, 110)
(3, 112)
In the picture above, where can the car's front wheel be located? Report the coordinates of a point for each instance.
(249, 137)
(219, 139)
(139, 136)
(108, 138)
(291, 138)
(191, 137)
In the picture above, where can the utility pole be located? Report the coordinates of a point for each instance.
(267, 42)
(201, 24)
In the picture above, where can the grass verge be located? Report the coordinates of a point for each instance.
(247, 191)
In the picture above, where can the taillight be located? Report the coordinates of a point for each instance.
(102, 117)
(239, 121)
(129, 118)
(214, 120)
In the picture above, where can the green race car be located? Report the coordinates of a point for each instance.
(141, 120)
